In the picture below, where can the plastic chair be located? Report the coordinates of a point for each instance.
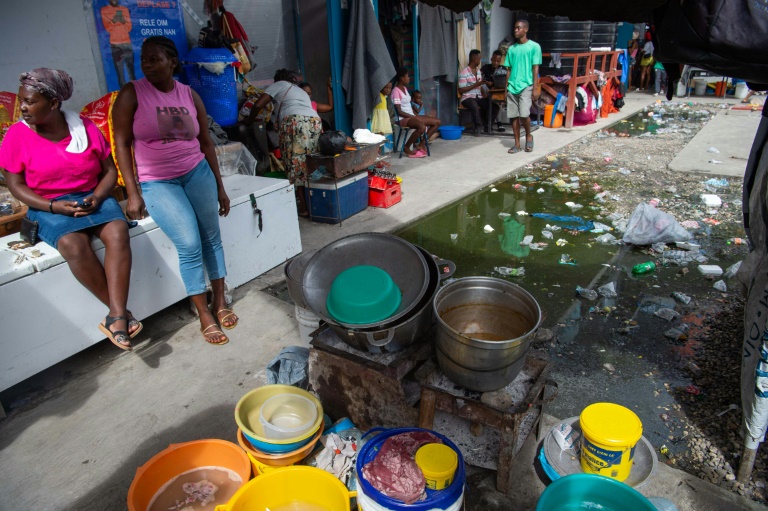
(403, 132)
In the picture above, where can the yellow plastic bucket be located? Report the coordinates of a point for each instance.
(438, 463)
(291, 485)
(259, 467)
(609, 434)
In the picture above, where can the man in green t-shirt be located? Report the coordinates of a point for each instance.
(523, 60)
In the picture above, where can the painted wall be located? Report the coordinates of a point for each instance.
(313, 16)
(502, 22)
(51, 33)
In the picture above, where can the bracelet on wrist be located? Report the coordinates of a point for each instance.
(50, 206)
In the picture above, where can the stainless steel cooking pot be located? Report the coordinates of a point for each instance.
(401, 260)
(294, 272)
(484, 326)
(391, 338)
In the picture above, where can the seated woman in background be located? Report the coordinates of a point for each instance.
(179, 176)
(59, 164)
(299, 128)
(320, 108)
(409, 119)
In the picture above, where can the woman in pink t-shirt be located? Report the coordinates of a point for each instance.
(408, 118)
(60, 166)
(165, 124)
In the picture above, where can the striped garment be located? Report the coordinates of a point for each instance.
(468, 77)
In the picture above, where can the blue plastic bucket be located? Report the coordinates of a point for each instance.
(218, 92)
(436, 499)
(450, 132)
(577, 492)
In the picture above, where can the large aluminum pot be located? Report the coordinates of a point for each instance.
(403, 261)
(484, 325)
(415, 326)
(294, 272)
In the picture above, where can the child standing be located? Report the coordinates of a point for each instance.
(380, 121)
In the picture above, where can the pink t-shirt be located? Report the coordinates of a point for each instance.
(402, 98)
(49, 170)
(165, 131)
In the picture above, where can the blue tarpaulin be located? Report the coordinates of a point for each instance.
(570, 222)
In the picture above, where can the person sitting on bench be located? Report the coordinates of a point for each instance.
(471, 84)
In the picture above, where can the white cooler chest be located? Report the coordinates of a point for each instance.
(47, 316)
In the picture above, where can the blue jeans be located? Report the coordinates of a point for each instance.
(187, 210)
(660, 80)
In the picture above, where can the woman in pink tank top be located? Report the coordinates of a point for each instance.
(165, 124)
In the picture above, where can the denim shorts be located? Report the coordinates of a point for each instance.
(53, 226)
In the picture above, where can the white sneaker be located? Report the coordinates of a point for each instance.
(656, 94)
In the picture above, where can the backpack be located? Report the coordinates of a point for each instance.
(727, 37)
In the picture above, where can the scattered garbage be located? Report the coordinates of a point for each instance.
(540, 190)
(659, 247)
(567, 259)
(553, 228)
(565, 436)
(682, 298)
(495, 190)
(573, 206)
(710, 270)
(624, 171)
(666, 313)
(609, 367)
(648, 225)
(561, 242)
(681, 257)
(606, 238)
(720, 286)
(572, 223)
(602, 227)
(547, 234)
(674, 334)
(488, 229)
(503, 215)
(589, 294)
(522, 213)
(454, 238)
(652, 304)
(687, 245)
(714, 184)
(526, 241)
(690, 224)
(538, 246)
(643, 268)
(711, 201)
(715, 162)
(736, 241)
(731, 271)
(713, 150)
(608, 290)
(510, 272)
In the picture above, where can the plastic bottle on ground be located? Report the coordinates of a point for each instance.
(643, 268)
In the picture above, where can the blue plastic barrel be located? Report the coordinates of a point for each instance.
(218, 91)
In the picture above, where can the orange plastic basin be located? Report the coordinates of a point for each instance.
(180, 458)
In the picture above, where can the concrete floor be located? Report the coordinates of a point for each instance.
(77, 432)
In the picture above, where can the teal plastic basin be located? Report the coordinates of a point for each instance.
(589, 492)
(363, 294)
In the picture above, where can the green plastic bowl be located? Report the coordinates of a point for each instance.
(588, 492)
(363, 294)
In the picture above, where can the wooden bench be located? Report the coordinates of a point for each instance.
(604, 61)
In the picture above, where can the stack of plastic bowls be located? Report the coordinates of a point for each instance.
(290, 405)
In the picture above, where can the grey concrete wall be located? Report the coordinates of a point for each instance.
(501, 24)
(316, 50)
(51, 33)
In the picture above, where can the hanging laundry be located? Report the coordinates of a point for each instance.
(437, 43)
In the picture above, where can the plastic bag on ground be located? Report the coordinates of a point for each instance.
(606, 238)
(720, 286)
(731, 271)
(648, 225)
(290, 367)
(589, 294)
(666, 313)
(608, 290)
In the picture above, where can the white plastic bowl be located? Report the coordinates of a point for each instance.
(287, 416)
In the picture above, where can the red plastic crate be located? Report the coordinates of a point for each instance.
(383, 196)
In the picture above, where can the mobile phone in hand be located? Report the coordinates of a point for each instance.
(82, 204)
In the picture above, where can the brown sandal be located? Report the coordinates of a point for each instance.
(119, 337)
(229, 312)
(207, 334)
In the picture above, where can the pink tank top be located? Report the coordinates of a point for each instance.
(165, 132)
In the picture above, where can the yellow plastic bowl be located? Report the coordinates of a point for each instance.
(287, 485)
(252, 402)
(438, 463)
(279, 460)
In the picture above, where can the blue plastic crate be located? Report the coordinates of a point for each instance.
(352, 198)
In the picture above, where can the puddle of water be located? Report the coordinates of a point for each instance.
(660, 118)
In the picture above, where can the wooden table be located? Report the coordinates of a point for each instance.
(603, 61)
(11, 224)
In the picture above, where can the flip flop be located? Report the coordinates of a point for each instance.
(206, 333)
(529, 145)
(514, 150)
(118, 336)
(229, 312)
(417, 154)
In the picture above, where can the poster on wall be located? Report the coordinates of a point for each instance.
(123, 25)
